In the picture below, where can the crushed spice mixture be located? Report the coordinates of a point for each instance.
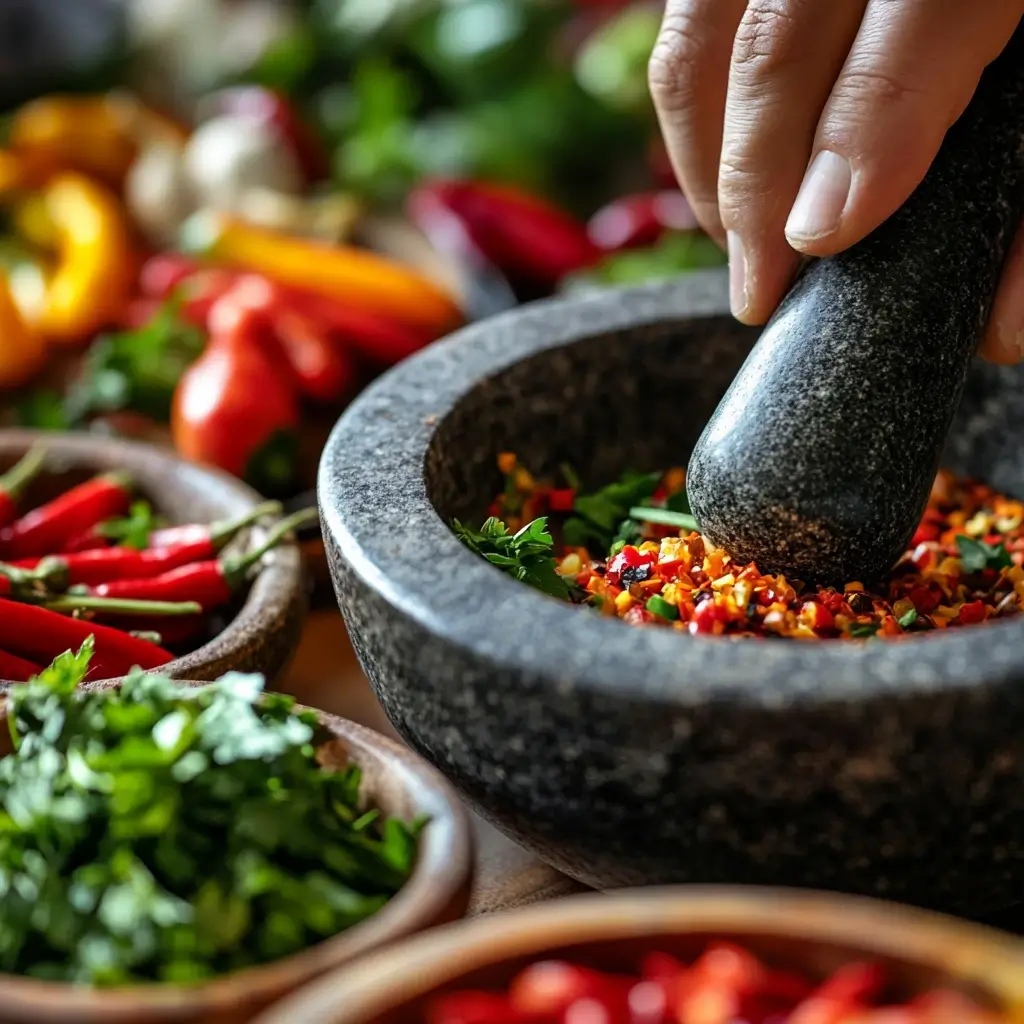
(634, 551)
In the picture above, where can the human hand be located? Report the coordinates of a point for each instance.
(796, 127)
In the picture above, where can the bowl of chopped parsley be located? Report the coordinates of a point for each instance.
(859, 741)
(190, 852)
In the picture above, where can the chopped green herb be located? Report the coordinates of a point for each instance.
(863, 630)
(908, 618)
(598, 516)
(526, 555)
(657, 605)
(169, 833)
(136, 370)
(976, 555)
(664, 517)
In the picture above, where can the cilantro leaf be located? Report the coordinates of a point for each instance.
(908, 618)
(599, 516)
(863, 630)
(527, 555)
(976, 555)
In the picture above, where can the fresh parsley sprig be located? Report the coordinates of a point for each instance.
(527, 555)
(601, 518)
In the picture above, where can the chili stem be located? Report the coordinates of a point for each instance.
(226, 529)
(119, 606)
(19, 476)
(236, 568)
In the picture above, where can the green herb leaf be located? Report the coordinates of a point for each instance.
(908, 618)
(664, 517)
(136, 370)
(526, 555)
(133, 531)
(43, 410)
(599, 516)
(976, 555)
(169, 833)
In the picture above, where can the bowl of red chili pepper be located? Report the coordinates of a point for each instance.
(682, 956)
(165, 564)
(874, 754)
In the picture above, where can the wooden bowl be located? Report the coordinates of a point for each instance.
(805, 931)
(437, 892)
(264, 633)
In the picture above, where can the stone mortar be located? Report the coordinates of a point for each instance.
(635, 756)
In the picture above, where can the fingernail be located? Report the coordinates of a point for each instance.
(822, 198)
(738, 298)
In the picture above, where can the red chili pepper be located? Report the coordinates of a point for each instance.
(636, 221)
(104, 565)
(17, 670)
(202, 291)
(273, 109)
(972, 613)
(521, 234)
(49, 527)
(235, 409)
(211, 584)
(630, 565)
(16, 479)
(847, 990)
(41, 634)
(561, 499)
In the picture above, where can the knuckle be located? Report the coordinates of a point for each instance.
(743, 188)
(672, 70)
(863, 88)
(765, 39)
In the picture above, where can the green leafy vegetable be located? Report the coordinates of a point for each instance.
(677, 253)
(526, 555)
(169, 833)
(43, 410)
(599, 517)
(664, 517)
(136, 370)
(134, 529)
(976, 555)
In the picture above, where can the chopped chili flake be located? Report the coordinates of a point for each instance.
(963, 566)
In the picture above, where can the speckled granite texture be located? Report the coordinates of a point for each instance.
(819, 461)
(629, 756)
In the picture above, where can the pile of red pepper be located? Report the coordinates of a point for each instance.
(64, 577)
(725, 985)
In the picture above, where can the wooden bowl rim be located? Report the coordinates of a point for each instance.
(389, 979)
(440, 880)
(277, 588)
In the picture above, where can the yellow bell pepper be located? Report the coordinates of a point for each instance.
(93, 276)
(354, 276)
(90, 134)
(22, 349)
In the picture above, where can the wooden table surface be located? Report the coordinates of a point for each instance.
(326, 675)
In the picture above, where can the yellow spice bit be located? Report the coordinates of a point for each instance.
(649, 547)
(571, 565)
(723, 581)
(978, 525)
(902, 607)
(856, 587)
(523, 480)
(950, 567)
(624, 601)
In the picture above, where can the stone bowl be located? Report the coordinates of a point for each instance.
(811, 933)
(266, 626)
(437, 892)
(628, 756)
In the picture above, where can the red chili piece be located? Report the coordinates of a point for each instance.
(17, 670)
(41, 635)
(49, 527)
(16, 479)
(211, 584)
(103, 565)
(630, 566)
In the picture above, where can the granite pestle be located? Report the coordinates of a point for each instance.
(819, 460)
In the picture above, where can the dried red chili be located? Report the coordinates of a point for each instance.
(965, 564)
